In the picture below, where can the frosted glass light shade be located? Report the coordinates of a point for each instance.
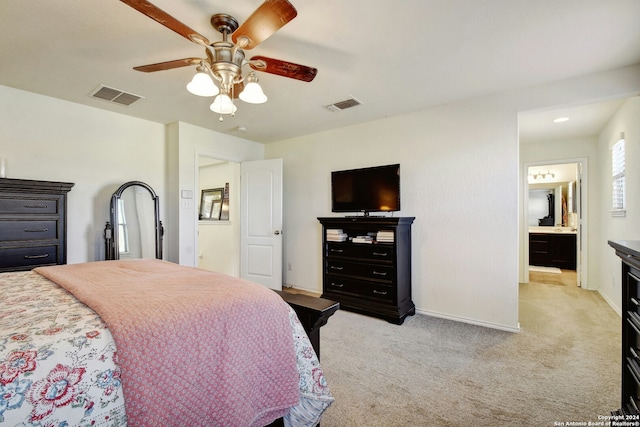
(202, 85)
(223, 105)
(253, 94)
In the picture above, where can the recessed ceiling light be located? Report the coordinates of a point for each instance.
(560, 119)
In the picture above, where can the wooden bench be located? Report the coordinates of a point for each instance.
(313, 314)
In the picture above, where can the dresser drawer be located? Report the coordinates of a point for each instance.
(13, 231)
(374, 252)
(367, 290)
(28, 256)
(379, 272)
(25, 205)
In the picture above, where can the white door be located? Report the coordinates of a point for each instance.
(261, 222)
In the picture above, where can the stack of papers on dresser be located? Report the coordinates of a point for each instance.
(385, 236)
(362, 239)
(336, 235)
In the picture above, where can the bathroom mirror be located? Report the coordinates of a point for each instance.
(135, 229)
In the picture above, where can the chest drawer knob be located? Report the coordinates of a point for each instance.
(333, 267)
(337, 285)
(380, 273)
(36, 206)
(379, 292)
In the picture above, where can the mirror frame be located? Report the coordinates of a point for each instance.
(111, 230)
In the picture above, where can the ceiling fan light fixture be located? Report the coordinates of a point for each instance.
(223, 105)
(252, 92)
(202, 84)
(220, 73)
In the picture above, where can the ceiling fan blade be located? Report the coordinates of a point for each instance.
(168, 65)
(283, 68)
(167, 20)
(263, 22)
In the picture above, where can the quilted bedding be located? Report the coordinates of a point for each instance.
(58, 366)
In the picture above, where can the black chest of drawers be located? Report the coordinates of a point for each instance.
(629, 252)
(33, 223)
(370, 278)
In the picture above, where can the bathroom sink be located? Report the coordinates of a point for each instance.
(554, 230)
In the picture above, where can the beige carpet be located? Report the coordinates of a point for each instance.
(563, 366)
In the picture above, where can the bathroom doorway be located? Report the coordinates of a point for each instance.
(555, 208)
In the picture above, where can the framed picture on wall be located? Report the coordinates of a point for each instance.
(211, 204)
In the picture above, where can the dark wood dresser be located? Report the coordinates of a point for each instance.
(629, 252)
(33, 223)
(369, 274)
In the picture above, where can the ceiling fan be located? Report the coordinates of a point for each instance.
(225, 59)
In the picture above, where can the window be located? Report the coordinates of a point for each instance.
(618, 177)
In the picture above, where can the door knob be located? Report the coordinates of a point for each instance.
(277, 232)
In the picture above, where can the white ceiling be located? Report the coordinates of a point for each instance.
(395, 56)
(584, 120)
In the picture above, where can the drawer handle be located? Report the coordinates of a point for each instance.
(36, 206)
(380, 273)
(36, 256)
(337, 285)
(337, 250)
(380, 253)
(333, 267)
(36, 230)
(634, 301)
(379, 292)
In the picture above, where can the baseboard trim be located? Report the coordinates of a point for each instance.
(611, 304)
(515, 329)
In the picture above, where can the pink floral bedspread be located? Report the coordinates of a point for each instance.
(58, 365)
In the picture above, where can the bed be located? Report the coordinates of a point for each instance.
(151, 343)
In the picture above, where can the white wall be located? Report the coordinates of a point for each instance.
(48, 139)
(44, 138)
(617, 228)
(460, 178)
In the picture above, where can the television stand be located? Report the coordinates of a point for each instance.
(372, 278)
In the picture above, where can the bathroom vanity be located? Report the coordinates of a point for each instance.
(553, 247)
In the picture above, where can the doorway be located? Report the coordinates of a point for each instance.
(555, 207)
(218, 236)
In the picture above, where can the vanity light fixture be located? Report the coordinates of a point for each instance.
(542, 175)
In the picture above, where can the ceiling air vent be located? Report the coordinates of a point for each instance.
(343, 105)
(115, 95)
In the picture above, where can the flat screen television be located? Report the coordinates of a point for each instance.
(374, 189)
